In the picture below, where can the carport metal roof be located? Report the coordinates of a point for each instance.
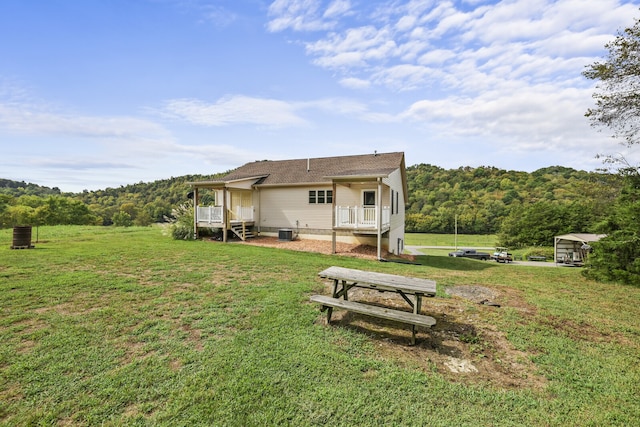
(580, 237)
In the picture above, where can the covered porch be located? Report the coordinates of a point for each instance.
(366, 219)
(368, 216)
(217, 216)
(218, 207)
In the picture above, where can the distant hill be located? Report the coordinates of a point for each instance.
(21, 188)
(143, 202)
(481, 198)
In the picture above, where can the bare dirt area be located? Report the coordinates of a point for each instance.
(464, 345)
(319, 246)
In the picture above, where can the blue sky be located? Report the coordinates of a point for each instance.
(103, 93)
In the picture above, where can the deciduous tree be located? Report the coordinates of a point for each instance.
(618, 91)
(617, 256)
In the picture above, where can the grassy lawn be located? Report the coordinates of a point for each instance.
(464, 240)
(486, 243)
(104, 326)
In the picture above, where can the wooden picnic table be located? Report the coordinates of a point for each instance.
(345, 279)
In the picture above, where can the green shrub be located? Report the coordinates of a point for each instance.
(122, 219)
(182, 222)
(616, 258)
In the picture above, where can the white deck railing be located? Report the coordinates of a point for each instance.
(213, 214)
(242, 214)
(360, 217)
(209, 214)
(356, 217)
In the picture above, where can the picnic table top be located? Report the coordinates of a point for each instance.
(383, 281)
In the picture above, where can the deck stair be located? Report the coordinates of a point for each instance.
(242, 230)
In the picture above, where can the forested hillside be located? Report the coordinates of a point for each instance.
(139, 204)
(524, 208)
(492, 200)
(21, 188)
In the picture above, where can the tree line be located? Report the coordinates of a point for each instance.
(135, 204)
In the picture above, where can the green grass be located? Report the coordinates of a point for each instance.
(104, 326)
(463, 240)
(442, 244)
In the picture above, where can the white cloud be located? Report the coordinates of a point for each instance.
(355, 83)
(219, 16)
(357, 47)
(305, 15)
(336, 106)
(436, 57)
(337, 8)
(533, 40)
(269, 113)
(234, 110)
(38, 120)
(406, 23)
(537, 117)
(104, 144)
(406, 76)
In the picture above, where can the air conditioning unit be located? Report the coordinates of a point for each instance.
(285, 234)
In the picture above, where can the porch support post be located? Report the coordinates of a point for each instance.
(379, 218)
(195, 213)
(224, 214)
(333, 220)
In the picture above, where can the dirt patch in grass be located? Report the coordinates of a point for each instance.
(464, 346)
(318, 246)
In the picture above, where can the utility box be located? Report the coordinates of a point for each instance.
(285, 234)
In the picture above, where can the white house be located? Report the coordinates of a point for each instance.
(353, 199)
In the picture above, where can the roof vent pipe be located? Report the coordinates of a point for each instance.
(308, 164)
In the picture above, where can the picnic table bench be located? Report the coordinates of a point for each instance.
(345, 279)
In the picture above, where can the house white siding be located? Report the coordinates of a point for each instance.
(396, 231)
(289, 207)
(246, 184)
(353, 195)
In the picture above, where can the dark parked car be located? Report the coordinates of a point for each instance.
(470, 253)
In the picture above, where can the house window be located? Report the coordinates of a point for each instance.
(368, 198)
(393, 206)
(320, 196)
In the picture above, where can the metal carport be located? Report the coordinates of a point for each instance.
(573, 248)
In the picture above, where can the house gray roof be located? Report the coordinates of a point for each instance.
(317, 170)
